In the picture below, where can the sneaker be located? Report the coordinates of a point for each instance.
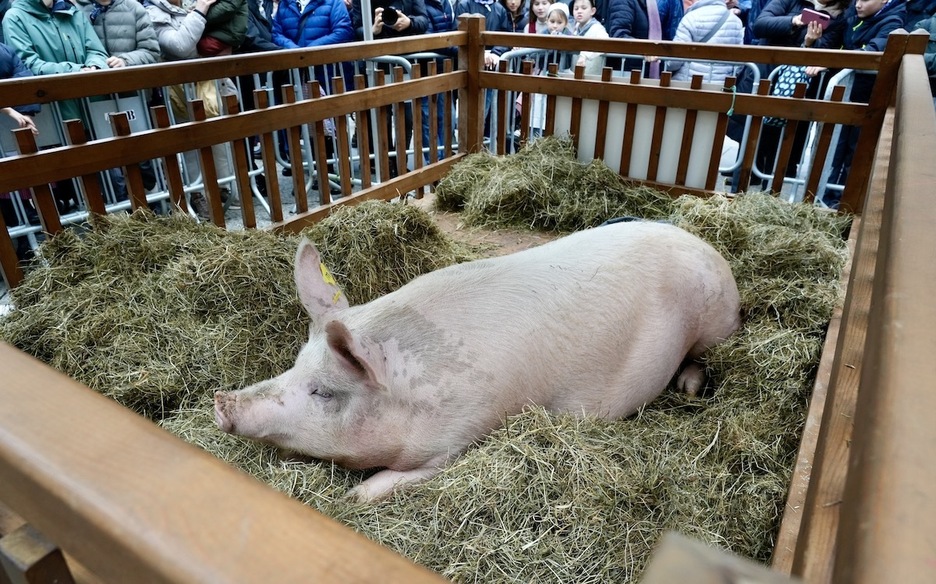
(199, 204)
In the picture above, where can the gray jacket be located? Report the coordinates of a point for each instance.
(177, 30)
(124, 28)
(695, 24)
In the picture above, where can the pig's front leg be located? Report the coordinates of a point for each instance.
(384, 482)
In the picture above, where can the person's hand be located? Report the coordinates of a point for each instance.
(116, 62)
(378, 21)
(21, 120)
(347, 4)
(89, 68)
(581, 62)
(651, 58)
(203, 6)
(798, 20)
(403, 22)
(813, 33)
(813, 71)
(490, 60)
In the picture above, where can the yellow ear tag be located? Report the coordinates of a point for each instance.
(330, 280)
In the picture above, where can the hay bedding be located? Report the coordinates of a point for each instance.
(158, 313)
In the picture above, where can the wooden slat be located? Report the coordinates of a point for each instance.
(815, 545)
(822, 151)
(786, 145)
(160, 116)
(29, 558)
(268, 156)
(501, 111)
(42, 194)
(602, 122)
(129, 500)
(344, 149)
(471, 95)
(721, 129)
(576, 115)
(416, 105)
(296, 155)
(747, 160)
(136, 192)
(888, 515)
(682, 166)
(241, 160)
(399, 127)
(362, 118)
(630, 122)
(526, 107)
(659, 123)
(209, 172)
(447, 115)
(383, 138)
(551, 104)
(9, 263)
(90, 183)
(433, 120)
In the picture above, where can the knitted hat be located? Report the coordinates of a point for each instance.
(560, 6)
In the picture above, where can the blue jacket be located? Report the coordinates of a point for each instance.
(774, 25)
(441, 15)
(627, 19)
(12, 66)
(323, 22)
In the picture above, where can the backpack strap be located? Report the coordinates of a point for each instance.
(708, 36)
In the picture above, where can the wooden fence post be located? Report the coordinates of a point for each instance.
(471, 98)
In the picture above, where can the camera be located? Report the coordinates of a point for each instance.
(390, 15)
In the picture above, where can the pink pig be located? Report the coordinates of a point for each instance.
(595, 323)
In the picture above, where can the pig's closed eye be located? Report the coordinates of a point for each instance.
(317, 389)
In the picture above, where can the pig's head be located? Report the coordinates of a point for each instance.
(323, 406)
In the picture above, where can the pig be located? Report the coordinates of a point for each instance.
(595, 323)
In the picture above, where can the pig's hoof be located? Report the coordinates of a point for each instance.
(691, 379)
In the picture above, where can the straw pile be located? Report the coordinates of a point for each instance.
(547, 498)
(544, 187)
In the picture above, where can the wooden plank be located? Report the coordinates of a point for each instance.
(363, 139)
(747, 160)
(602, 122)
(630, 122)
(471, 94)
(90, 183)
(433, 121)
(784, 549)
(526, 108)
(576, 114)
(551, 104)
(815, 546)
(344, 149)
(268, 155)
(682, 166)
(822, 151)
(501, 128)
(659, 123)
(399, 126)
(160, 116)
(120, 126)
(447, 114)
(678, 558)
(241, 160)
(127, 498)
(888, 525)
(206, 163)
(383, 137)
(29, 558)
(296, 155)
(42, 193)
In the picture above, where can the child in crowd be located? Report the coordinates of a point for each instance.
(583, 11)
(539, 10)
(557, 19)
(517, 14)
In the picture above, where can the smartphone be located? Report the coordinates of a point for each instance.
(815, 16)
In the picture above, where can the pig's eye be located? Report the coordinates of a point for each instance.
(317, 389)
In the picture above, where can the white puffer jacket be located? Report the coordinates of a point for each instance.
(695, 24)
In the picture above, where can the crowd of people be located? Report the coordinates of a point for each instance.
(43, 37)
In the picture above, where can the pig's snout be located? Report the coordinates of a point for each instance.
(224, 402)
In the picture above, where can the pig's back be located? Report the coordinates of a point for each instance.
(597, 321)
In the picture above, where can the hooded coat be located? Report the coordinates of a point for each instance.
(125, 30)
(177, 30)
(53, 40)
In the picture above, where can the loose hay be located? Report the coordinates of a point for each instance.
(548, 498)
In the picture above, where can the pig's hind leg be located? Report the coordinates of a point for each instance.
(382, 483)
(691, 378)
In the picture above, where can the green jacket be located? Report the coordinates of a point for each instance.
(227, 22)
(56, 40)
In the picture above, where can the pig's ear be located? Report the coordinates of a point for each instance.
(318, 290)
(359, 356)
